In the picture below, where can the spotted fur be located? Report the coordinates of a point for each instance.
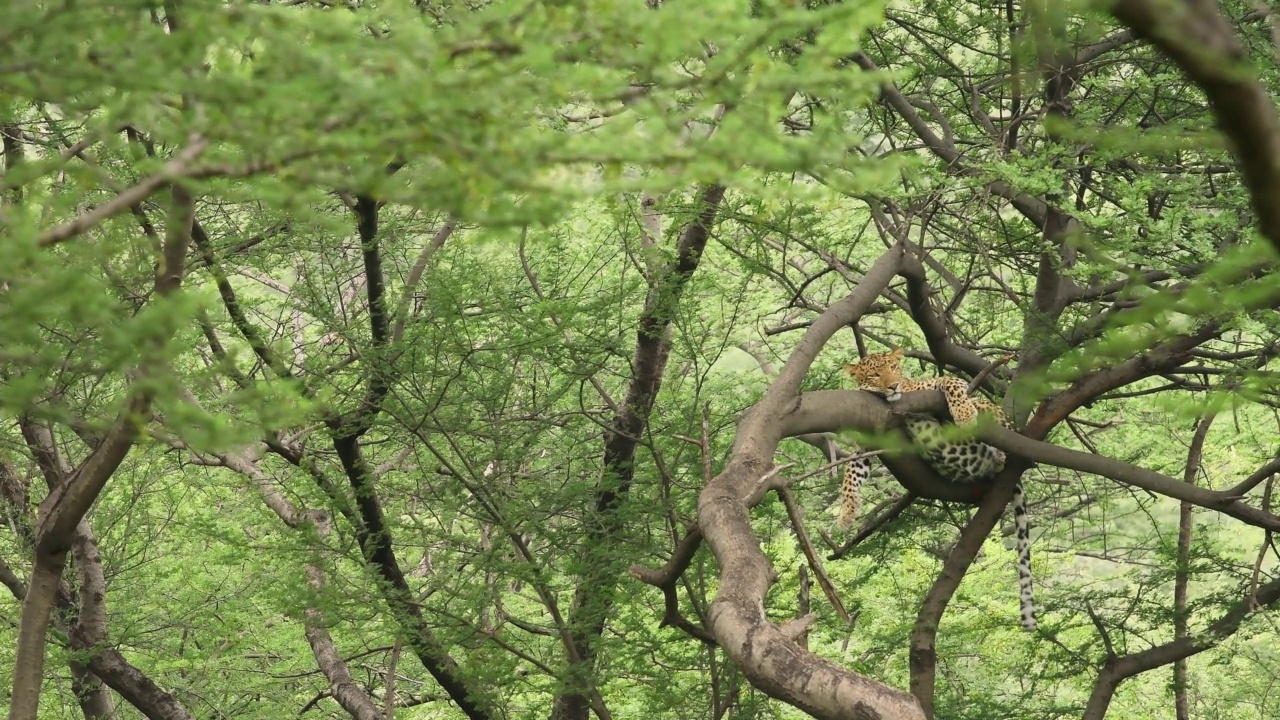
(956, 460)
(881, 373)
(959, 461)
(856, 472)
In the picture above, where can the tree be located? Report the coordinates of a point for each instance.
(436, 360)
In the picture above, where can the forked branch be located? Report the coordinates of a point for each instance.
(771, 659)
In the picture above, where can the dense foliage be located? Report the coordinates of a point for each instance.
(439, 360)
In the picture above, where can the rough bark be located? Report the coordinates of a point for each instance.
(81, 616)
(767, 656)
(93, 696)
(134, 686)
(353, 698)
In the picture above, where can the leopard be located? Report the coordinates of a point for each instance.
(956, 460)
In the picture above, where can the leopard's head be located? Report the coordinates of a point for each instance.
(880, 371)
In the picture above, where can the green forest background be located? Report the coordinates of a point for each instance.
(388, 359)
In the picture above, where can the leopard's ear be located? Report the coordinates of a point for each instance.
(897, 352)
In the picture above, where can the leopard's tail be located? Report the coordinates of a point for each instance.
(1022, 527)
(856, 472)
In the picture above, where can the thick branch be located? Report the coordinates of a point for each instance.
(769, 658)
(825, 410)
(935, 330)
(924, 654)
(353, 698)
(66, 505)
(379, 375)
(1255, 479)
(133, 685)
(1161, 358)
(348, 694)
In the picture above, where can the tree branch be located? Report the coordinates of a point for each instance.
(771, 660)
(1226, 502)
(1118, 669)
(595, 589)
(127, 199)
(1201, 41)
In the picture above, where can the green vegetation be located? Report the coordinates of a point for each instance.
(484, 360)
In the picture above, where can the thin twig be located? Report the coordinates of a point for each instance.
(874, 523)
(127, 199)
(986, 371)
(811, 555)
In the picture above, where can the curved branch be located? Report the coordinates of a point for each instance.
(1255, 479)
(769, 658)
(1118, 669)
(1226, 502)
(1161, 358)
(415, 274)
(825, 410)
(145, 188)
(933, 326)
(924, 655)
(596, 587)
(1201, 41)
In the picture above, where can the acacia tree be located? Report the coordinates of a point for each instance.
(1095, 326)
(392, 343)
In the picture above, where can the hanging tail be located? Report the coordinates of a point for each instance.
(856, 472)
(1022, 527)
